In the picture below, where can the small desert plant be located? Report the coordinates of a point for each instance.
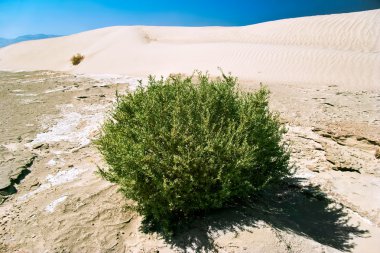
(76, 59)
(179, 147)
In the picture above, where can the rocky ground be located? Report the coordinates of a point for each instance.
(53, 200)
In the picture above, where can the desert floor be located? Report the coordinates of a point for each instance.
(55, 202)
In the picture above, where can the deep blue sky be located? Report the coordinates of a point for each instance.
(19, 17)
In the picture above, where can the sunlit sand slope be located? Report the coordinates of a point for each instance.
(341, 49)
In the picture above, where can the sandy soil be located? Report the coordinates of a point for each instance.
(62, 205)
(342, 49)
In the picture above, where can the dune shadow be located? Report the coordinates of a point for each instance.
(303, 210)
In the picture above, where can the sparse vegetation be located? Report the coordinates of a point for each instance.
(179, 147)
(76, 59)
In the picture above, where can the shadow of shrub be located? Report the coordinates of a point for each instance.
(290, 207)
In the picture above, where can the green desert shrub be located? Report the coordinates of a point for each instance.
(186, 145)
(76, 59)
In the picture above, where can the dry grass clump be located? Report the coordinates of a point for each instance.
(76, 59)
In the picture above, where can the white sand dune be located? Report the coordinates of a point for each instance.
(341, 49)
